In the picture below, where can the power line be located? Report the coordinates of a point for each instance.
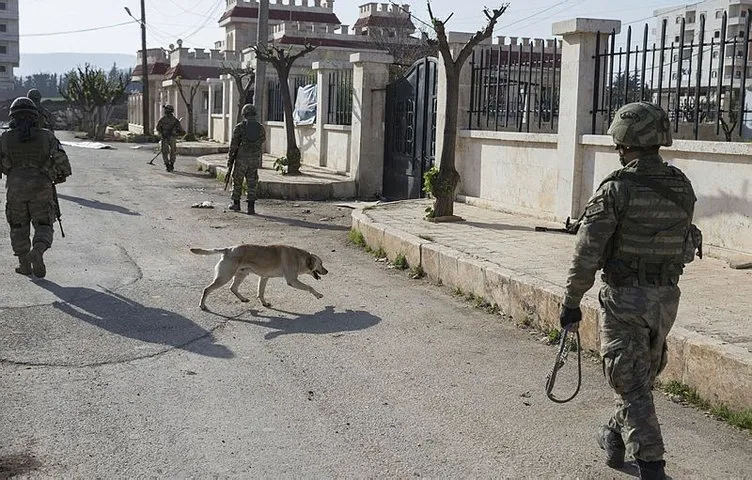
(76, 31)
(551, 7)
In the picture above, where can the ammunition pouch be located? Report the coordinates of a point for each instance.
(692, 244)
(641, 274)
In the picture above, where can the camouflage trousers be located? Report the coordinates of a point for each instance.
(29, 202)
(634, 324)
(247, 172)
(169, 148)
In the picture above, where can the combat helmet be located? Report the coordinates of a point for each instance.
(641, 124)
(35, 95)
(169, 109)
(249, 110)
(23, 105)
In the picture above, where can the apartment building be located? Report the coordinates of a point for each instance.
(683, 30)
(9, 42)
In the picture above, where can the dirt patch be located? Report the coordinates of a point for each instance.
(13, 465)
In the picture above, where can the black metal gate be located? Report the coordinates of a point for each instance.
(410, 130)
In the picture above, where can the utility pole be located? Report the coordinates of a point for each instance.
(259, 89)
(145, 74)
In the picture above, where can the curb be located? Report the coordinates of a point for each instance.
(721, 374)
(281, 190)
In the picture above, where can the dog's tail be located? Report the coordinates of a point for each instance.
(210, 251)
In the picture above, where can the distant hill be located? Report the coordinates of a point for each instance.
(31, 63)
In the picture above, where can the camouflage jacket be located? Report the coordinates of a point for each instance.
(169, 127)
(43, 153)
(626, 223)
(247, 143)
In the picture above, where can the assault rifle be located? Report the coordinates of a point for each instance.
(228, 175)
(58, 215)
(569, 227)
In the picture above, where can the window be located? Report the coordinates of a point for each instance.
(3, 6)
(740, 34)
(218, 101)
(718, 13)
(678, 19)
(204, 102)
(676, 57)
(673, 76)
(3, 27)
(716, 54)
(738, 74)
(676, 39)
(3, 49)
(714, 74)
(744, 13)
(2, 69)
(717, 34)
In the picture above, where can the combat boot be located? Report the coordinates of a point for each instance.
(24, 265)
(251, 207)
(611, 442)
(36, 257)
(234, 206)
(652, 470)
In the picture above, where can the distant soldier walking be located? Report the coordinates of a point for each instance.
(638, 228)
(169, 129)
(33, 161)
(45, 117)
(246, 150)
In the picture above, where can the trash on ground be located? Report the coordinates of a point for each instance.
(205, 204)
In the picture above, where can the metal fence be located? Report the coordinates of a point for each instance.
(516, 88)
(701, 84)
(275, 108)
(339, 110)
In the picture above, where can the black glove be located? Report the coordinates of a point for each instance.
(569, 316)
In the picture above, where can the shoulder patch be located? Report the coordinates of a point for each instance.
(595, 208)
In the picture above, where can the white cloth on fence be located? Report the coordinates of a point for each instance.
(305, 106)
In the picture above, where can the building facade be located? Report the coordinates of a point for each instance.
(9, 42)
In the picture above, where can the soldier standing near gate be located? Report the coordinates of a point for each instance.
(169, 129)
(44, 117)
(638, 228)
(246, 151)
(33, 161)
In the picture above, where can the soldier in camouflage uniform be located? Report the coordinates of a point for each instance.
(635, 228)
(246, 150)
(169, 129)
(33, 161)
(45, 117)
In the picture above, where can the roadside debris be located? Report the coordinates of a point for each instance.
(204, 204)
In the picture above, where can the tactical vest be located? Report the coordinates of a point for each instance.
(649, 243)
(250, 147)
(34, 153)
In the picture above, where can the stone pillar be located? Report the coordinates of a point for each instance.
(370, 78)
(322, 70)
(214, 85)
(575, 104)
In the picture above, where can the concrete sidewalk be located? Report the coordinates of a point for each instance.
(501, 258)
(313, 184)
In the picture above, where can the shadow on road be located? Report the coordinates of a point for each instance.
(125, 317)
(303, 224)
(325, 322)
(96, 204)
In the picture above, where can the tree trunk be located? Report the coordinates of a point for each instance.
(191, 130)
(448, 178)
(293, 152)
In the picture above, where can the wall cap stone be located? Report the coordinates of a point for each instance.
(585, 25)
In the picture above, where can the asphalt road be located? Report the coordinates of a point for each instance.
(108, 369)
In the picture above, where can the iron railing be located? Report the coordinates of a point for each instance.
(701, 84)
(339, 110)
(275, 107)
(516, 87)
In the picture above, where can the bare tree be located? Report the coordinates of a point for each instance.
(405, 50)
(245, 80)
(188, 93)
(282, 60)
(444, 185)
(730, 117)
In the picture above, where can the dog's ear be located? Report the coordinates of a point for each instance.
(310, 262)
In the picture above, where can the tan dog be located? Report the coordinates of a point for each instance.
(266, 261)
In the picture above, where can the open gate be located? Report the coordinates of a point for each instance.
(410, 130)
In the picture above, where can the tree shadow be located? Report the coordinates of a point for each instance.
(96, 204)
(324, 322)
(498, 226)
(128, 318)
(304, 224)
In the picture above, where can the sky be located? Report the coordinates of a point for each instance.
(44, 23)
